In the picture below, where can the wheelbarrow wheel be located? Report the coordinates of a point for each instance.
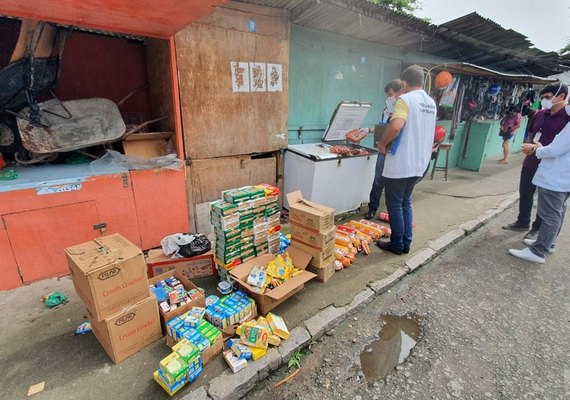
(10, 141)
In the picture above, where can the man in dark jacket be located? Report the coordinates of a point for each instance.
(543, 127)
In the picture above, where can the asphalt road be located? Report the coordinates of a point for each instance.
(494, 327)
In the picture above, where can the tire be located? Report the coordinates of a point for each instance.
(10, 141)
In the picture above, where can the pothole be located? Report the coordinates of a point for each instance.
(397, 338)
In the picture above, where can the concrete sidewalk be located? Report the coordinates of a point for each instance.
(37, 344)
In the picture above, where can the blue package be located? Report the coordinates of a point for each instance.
(160, 293)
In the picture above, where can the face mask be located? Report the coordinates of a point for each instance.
(390, 104)
(546, 103)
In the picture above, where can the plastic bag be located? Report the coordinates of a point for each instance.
(183, 245)
(54, 299)
(114, 161)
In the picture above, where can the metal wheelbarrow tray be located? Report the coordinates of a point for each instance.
(93, 121)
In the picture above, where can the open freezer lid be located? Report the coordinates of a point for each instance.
(348, 115)
(152, 18)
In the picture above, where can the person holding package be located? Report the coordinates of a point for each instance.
(393, 90)
(410, 138)
(544, 126)
(553, 181)
(509, 125)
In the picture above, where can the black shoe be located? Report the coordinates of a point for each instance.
(406, 250)
(516, 226)
(387, 246)
(370, 214)
(532, 234)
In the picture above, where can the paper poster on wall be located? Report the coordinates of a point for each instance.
(274, 77)
(257, 77)
(240, 76)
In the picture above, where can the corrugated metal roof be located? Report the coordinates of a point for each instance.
(471, 38)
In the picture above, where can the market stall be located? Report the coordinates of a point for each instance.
(471, 101)
(55, 200)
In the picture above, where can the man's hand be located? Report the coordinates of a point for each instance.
(530, 148)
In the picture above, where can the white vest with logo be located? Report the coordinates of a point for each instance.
(414, 150)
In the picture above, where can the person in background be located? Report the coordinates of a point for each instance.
(410, 137)
(544, 126)
(393, 90)
(553, 180)
(509, 125)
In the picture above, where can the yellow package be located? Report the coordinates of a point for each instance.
(257, 353)
(280, 267)
(254, 336)
(272, 339)
(241, 328)
(278, 326)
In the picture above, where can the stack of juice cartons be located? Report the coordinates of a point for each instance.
(246, 225)
(109, 274)
(183, 365)
(313, 231)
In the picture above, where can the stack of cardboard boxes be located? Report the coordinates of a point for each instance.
(246, 224)
(110, 277)
(313, 232)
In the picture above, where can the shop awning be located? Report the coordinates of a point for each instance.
(477, 70)
(154, 18)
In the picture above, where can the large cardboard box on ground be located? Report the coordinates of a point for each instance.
(109, 273)
(200, 302)
(125, 333)
(272, 298)
(312, 238)
(209, 353)
(191, 267)
(324, 273)
(320, 257)
(308, 214)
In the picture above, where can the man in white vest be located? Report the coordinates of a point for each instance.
(407, 143)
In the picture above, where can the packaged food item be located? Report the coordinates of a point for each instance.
(258, 278)
(240, 350)
(212, 300)
(234, 362)
(257, 353)
(173, 367)
(171, 389)
(272, 339)
(254, 336)
(186, 350)
(278, 326)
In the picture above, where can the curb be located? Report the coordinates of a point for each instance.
(230, 386)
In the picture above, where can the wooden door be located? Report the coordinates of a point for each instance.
(39, 237)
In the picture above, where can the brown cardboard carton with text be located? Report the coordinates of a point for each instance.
(125, 333)
(109, 273)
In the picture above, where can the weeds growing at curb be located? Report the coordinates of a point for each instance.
(295, 360)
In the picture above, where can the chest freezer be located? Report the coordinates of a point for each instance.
(342, 182)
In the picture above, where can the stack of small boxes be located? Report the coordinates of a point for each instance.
(194, 329)
(230, 309)
(246, 225)
(313, 232)
(171, 294)
(182, 366)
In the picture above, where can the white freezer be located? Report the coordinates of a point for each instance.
(342, 183)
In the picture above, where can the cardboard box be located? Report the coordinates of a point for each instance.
(109, 273)
(308, 214)
(165, 317)
(146, 145)
(125, 333)
(323, 274)
(192, 267)
(272, 298)
(312, 238)
(209, 353)
(321, 257)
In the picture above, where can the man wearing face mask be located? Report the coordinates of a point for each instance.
(553, 181)
(393, 90)
(543, 128)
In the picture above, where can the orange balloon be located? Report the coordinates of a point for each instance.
(443, 80)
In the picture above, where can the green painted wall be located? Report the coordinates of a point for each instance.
(325, 69)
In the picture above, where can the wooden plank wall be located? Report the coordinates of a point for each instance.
(218, 122)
